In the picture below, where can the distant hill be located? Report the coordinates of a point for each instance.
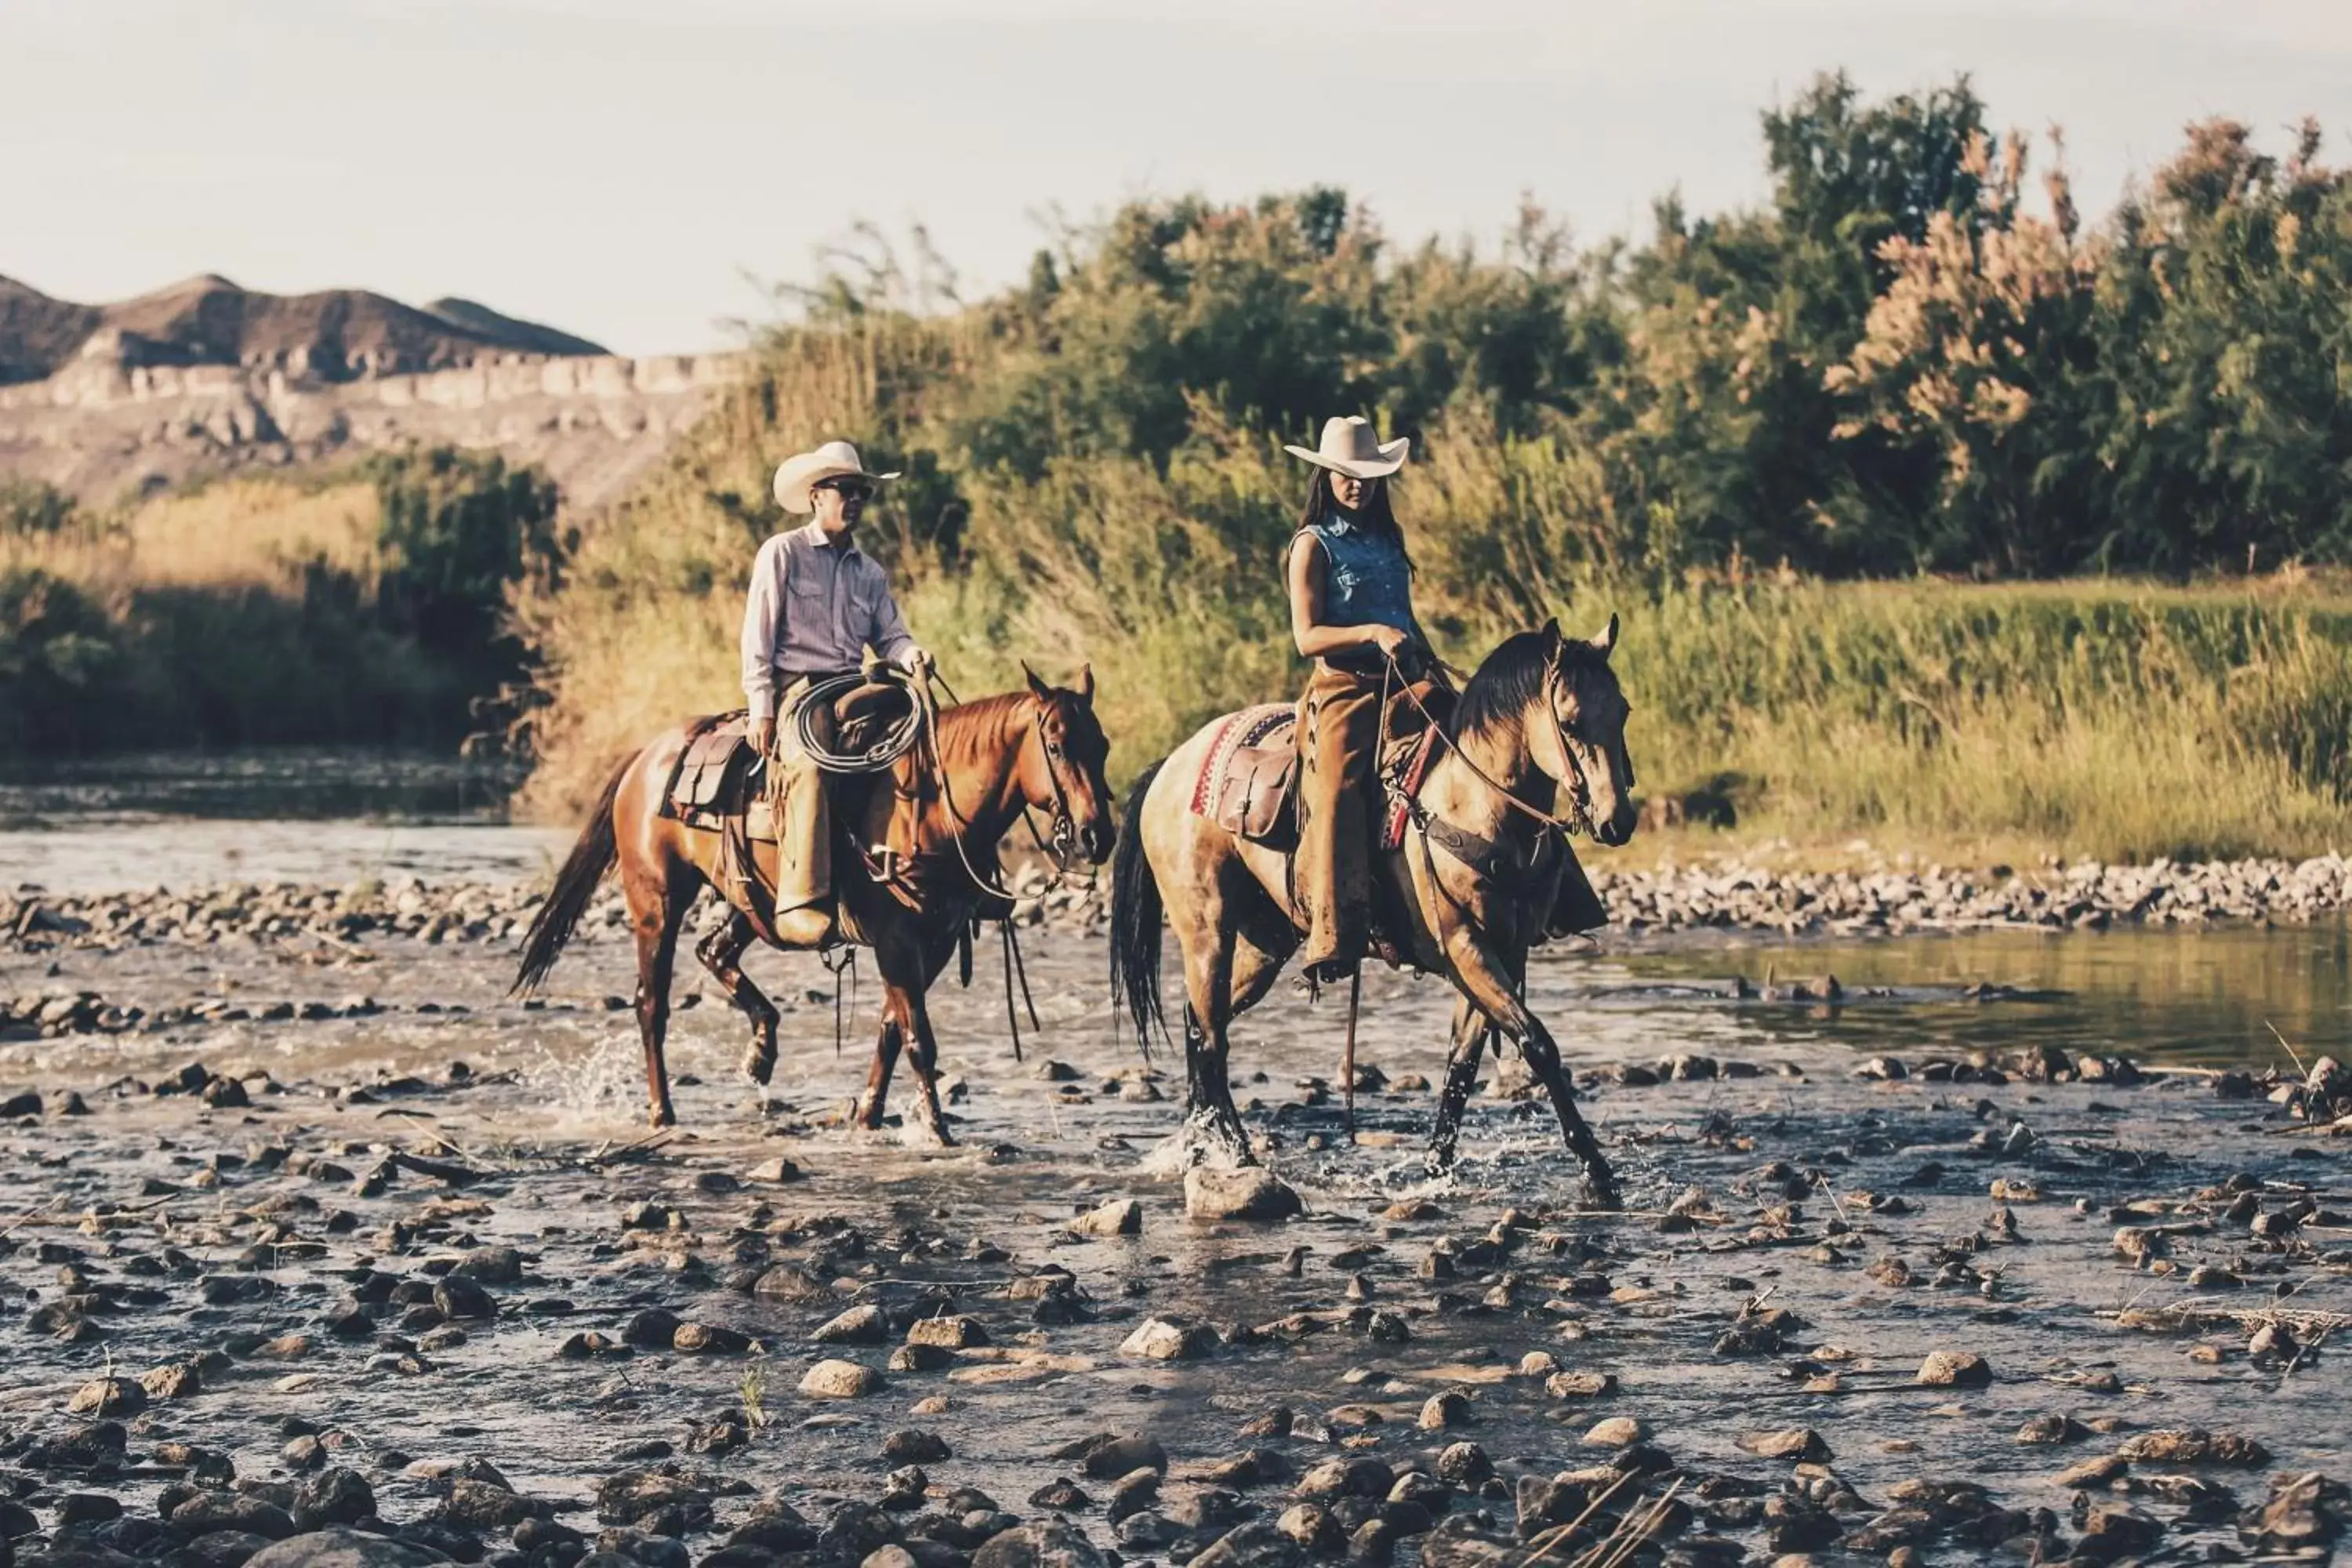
(39, 334)
(338, 334)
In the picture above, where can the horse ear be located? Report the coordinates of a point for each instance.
(1550, 635)
(1044, 692)
(1607, 641)
(1086, 683)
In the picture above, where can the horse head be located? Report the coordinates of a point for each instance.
(1062, 768)
(1583, 746)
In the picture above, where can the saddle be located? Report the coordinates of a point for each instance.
(710, 788)
(1248, 786)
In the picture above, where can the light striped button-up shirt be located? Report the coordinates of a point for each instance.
(813, 607)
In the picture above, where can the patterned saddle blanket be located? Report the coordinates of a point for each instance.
(1249, 783)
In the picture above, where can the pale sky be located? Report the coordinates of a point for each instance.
(617, 167)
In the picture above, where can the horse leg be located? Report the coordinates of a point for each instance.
(896, 1027)
(930, 1122)
(1470, 1031)
(658, 900)
(721, 953)
(1212, 1123)
(1488, 983)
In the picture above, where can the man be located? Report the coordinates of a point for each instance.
(817, 602)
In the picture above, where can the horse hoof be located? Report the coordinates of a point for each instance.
(663, 1117)
(1601, 1192)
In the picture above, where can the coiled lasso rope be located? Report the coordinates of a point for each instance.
(902, 738)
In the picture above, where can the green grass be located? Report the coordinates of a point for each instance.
(2100, 718)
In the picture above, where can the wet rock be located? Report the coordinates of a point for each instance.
(477, 1504)
(1616, 1432)
(463, 1299)
(861, 1325)
(1062, 1495)
(2094, 1472)
(333, 1497)
(1801, 1445)
(633, 1496)
(1250, 1193)
(1463, 1464)
(1119, 1217)
(1133, 1492)
(210, 1511)
(1443, 1411)
(1106, 1456)
(651, 1329)
(1580, 1384)
(2194, 1445)
(1311, 1527)
(840, 1380)
(2305, 1513)
(1051, 1543)
(2040, 1429)
(952, 1332)
(108, 1396)
(1954, 1369)
(179, 1380)
(1156, 1339)
(343, 1548)
(710, 1338)
(1362, 1478)
(2112, 1530)
(1258, 1544)
(912, 1446)
(790, 1282)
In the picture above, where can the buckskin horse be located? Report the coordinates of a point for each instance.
(942, 809)
(1471, 882)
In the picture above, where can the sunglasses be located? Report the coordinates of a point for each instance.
(849, 489)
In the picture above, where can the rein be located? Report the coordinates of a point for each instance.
(1581, 790)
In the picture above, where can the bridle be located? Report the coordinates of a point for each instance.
(1579, 786)
(1059, 845)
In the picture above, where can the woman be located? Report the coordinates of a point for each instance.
(1351, 613)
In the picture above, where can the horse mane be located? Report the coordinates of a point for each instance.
(1511, 679)
(962, 727)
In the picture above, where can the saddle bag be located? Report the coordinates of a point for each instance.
(1254, 794)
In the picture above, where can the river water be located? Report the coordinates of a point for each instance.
(549, 1090)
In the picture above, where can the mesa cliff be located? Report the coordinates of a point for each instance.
(206, 378)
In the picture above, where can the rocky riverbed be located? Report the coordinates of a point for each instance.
(405, 1280)
(2082, 895)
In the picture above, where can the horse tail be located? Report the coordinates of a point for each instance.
(575, 886)
(1135, 915)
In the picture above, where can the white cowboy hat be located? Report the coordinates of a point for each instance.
(798, 475)
(1350, 445)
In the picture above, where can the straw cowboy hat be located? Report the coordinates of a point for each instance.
(799, 474)
(1351, 446)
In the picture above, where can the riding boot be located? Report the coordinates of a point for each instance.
(1338, 731)
(804, 827)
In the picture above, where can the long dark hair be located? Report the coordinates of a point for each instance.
(1375, 516)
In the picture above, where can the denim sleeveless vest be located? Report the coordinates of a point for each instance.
(1365, 579)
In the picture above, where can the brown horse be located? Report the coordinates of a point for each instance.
(947, 805)
(1473, 881)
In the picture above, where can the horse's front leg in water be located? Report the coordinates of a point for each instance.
(1471, 1030)
(722, 954)
(1486, 983)
(930, 1121)
(886, 1046)
(1212, 1132)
